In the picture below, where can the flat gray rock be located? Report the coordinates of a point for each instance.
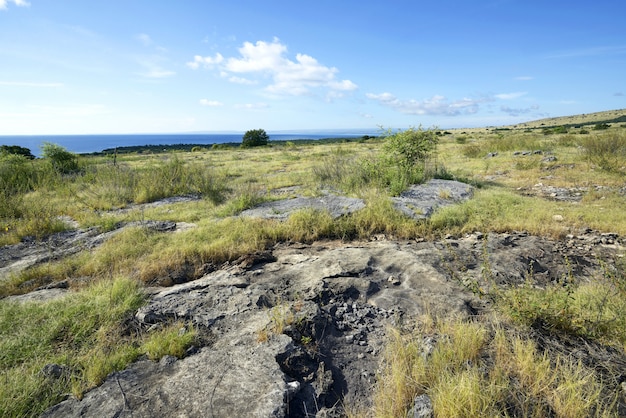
(334, 295)
(42, 295)
(335, 302)
(237, 377)
(421, 200)
(282, 209)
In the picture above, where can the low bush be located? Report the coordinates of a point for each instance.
(407, 157)
(62, 160)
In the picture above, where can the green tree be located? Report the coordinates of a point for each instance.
(61, 159)
(16, 150)
(255, 138)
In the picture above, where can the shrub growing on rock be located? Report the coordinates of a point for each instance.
(406, 155)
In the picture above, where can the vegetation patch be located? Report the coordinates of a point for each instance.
(474, 368)
(73, 344)
(494, 365)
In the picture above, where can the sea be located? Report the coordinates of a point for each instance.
(85, 144)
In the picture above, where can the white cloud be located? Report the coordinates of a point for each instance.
(436, 105)
(518, 111)
(153, 68)
(211, 103)
(21, 3)
(510, 96)
(238, 80)
(268, 59)
(524, 78)
(261, 56)
(252, 106)
(206, 62)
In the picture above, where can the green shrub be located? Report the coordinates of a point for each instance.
(406, 158)
(255, 138)
(16, 150)
(411, 148)
(601, 126)
(62, 160)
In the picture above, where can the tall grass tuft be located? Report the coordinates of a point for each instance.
(606, 150)
(472, 369)
(594, 310)
(69, 332)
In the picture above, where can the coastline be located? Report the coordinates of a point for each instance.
(95, 144)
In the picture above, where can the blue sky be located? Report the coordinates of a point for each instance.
(139, 66)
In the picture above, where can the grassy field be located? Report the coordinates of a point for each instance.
(510, 168)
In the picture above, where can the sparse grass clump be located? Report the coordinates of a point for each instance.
(594, 310)
(468, 369)
(173, 340)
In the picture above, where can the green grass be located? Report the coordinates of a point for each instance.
(455, 375)
(83, 332)
(230, 187)
(594, 310)
(80, 332)
(607, 151)
(474, 369)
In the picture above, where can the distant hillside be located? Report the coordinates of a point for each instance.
(586, 119)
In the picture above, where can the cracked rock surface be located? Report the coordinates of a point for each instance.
(300, 330)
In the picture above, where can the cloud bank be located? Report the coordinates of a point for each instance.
(436, 105)
(262, 60)
(518, 111)
(21, 3)
(439, 105)
(211, 103)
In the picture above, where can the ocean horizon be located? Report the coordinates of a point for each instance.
(86, 144)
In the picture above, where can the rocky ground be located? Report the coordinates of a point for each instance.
(299, 330)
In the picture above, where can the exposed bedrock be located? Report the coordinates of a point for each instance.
(300, 329)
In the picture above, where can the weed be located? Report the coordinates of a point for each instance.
(281, 316)
(173, 339)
